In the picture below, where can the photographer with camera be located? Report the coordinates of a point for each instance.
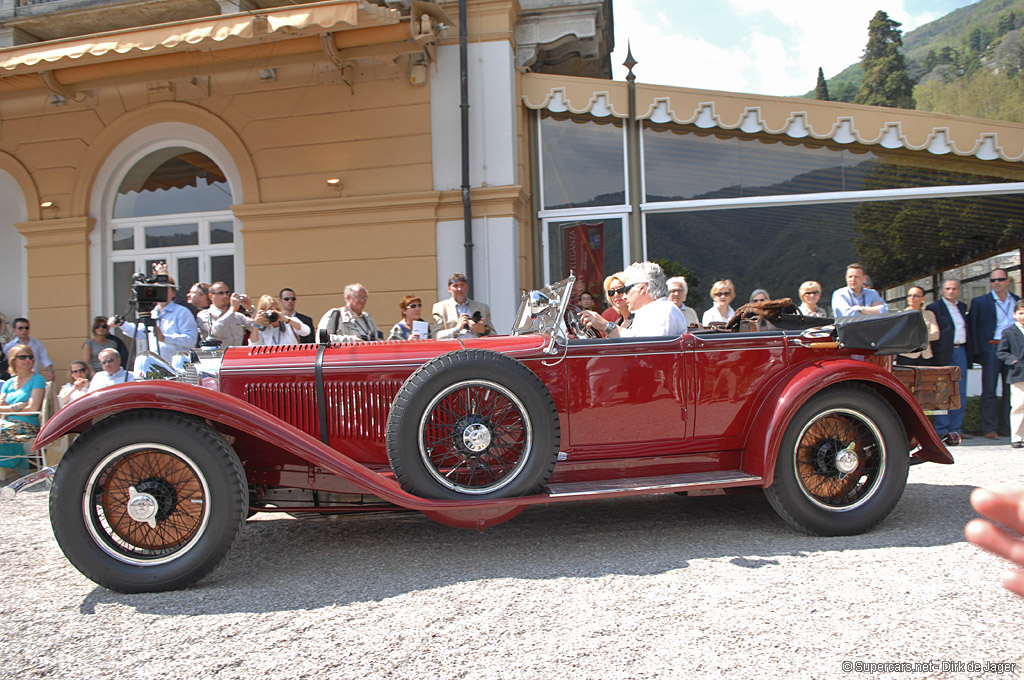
(167, 328)
(274, 327)
(458, 316)
(227, 318)
(350, 323)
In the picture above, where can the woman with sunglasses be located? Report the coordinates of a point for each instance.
(615, 293)
(80, 374)
(810, 296)
(99, 341)
(915, 301)
(411, 308)
(23, 392)
(722, 293)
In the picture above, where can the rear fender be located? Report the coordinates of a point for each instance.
(781, 403)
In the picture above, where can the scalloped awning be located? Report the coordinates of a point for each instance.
(227, 30)
(793, 117)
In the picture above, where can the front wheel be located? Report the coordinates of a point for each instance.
(148, 501)
(843, 463)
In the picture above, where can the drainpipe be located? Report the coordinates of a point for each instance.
(467, 207)
(636, 239)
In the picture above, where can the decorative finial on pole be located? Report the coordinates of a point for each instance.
(630, 63)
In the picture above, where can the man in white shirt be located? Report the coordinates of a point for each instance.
(221, 321)
(112, 373)
(174, 329)
(350, 323)
(856, 298)
(43, 363)
(654, 315)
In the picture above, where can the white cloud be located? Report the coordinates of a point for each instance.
(767, 47)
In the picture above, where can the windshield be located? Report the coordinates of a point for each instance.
(542, 311)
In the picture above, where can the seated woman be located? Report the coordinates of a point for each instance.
(411, 308)
(810, 296)
(615, 293)
(722, 293)
(99, 341)
(78, 387)
(274, 327)
(23, 392)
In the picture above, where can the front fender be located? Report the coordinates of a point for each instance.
(233, 412)
(793, 390)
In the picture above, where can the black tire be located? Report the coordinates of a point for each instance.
(473, 424)
(192, 493)
(824, 488)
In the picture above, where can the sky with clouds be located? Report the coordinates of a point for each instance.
(771, 47)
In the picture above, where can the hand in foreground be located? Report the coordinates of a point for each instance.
(1004, 505)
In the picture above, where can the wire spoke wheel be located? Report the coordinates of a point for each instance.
(840, 459)
(475, 437)
(146, 503)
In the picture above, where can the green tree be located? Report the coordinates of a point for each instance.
(821, 89)
(885, 81)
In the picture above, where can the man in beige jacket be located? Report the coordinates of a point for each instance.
(458, 316)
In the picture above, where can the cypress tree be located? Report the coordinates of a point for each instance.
(885, 81)
(821, 89)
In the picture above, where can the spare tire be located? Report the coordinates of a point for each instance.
(473, 424)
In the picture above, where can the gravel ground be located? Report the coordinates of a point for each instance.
(655, 587)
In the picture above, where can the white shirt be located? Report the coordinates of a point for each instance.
(1004, 314)
(104, 379)
(228, 326)
(659, 317)
(175, 322)
(284, 334)
(960, 332)
(712, 316)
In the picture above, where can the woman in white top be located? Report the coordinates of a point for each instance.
(810, 296)
(915, 301)
(722, 293)
(274, 327)
(80, 374)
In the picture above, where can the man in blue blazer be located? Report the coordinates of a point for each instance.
(989, 316)
(951, 349)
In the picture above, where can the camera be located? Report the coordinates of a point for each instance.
(477, 317)
(272, 316)
(148, 291)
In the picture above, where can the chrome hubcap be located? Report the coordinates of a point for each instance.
(846, 460)
(476, 437)
(142, 507)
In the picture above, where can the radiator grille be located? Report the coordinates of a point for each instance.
(355, 409)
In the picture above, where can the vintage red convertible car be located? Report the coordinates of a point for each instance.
(164, 471)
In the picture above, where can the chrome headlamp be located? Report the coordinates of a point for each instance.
(198, 367)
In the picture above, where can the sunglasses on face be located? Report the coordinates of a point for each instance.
(289, 299)
(25, 357)
(722, 293)
(21, 328)
(77, 370)
(218, 292)
(813, 292)
(621, 290)
(997, 279)
(107, 361)
(415, 304)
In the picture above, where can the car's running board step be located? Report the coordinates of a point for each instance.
(685, 482)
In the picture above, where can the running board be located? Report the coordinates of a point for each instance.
(667, 483)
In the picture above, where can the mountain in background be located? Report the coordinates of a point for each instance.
(967, 63)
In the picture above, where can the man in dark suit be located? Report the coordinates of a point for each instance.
(951, 349)
(288, 298)
(989, 316)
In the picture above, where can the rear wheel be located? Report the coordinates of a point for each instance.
(148, 501)
(843, 463)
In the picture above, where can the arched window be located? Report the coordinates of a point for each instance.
(173, 205)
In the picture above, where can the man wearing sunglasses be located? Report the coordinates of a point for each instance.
(647, 296)
(288, 297)
(112, 373)
(43, 364)
(988, 317)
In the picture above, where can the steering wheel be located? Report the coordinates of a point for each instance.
(574, 322)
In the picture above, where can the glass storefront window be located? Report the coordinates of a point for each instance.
(592, 248)
(583, 162)
(684, 165)
(777, 248)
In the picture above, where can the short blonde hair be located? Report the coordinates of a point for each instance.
(809, 287)
(621, 276)
(723, 283)
(266, 302)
